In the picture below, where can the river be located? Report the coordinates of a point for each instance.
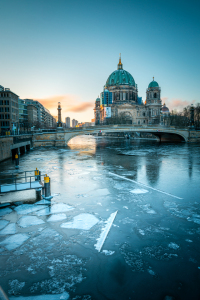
(123, 223)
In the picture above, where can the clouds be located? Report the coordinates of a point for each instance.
(69, 103)
(177, 104)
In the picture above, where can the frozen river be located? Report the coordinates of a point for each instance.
(123, 223)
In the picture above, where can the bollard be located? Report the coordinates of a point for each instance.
(47, 192)
(16, 161)
(36, 174)
(38, 194)
(39, 176)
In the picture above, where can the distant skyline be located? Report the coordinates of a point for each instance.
(64, 51)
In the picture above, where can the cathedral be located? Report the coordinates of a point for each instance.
(119, 102)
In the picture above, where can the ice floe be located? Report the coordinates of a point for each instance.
(27, 221)
(5, 211)
(125, 207)
(9, 229)
(82, 221)
(57, 218)
(105, 231)
(139, 191)
(14, 241)
(3, 223)
(5, 204)
(55, 208)
(108, 252)
(28, 208)
(173, 246)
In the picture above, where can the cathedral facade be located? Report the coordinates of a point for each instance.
(119, 102)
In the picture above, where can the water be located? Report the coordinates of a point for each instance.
(151, 248)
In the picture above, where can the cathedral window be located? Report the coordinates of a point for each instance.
(155, 96)
(139, 122)
(112, 81)
(144, 114)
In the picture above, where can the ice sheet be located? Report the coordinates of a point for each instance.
(5, 211)
(82, 221)
(56, 218)
(9, 229)
(28, 208)
(27, 221)
(3, 223)
(14, 241)
(104, 233)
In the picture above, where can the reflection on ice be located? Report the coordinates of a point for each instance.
(27, 221)
(9, 229)
(56, 208)
(82, 221)
(56, 218)
(14, 241)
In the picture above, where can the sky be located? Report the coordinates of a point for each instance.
(61, 50)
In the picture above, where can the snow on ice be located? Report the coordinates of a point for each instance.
(139, 191)
(104, 233)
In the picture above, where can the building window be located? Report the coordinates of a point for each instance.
(144, 114)
(155, 95)
(144, 121)
(139, 122)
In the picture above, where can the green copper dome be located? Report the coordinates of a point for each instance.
(120, 77)
(153, 84)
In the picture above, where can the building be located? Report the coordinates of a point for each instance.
(23, 115)
(32, 115)
(44, 117)
(67, 122)
(74, 123)
(9, 111)
(119, 102)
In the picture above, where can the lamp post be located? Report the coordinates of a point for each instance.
(192, 117)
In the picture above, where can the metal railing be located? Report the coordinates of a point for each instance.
(15, 181)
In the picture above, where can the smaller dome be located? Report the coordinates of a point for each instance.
(153, 84)
(98, 99)
(165, 109)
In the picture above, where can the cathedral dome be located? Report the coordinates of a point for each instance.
(153, 84)
(120, 77)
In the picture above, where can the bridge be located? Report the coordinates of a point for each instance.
(62, 136)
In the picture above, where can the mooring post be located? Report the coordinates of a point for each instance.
(36, 174)
(47, 192)
(38, 194)
(39, 176)
(16, 161)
